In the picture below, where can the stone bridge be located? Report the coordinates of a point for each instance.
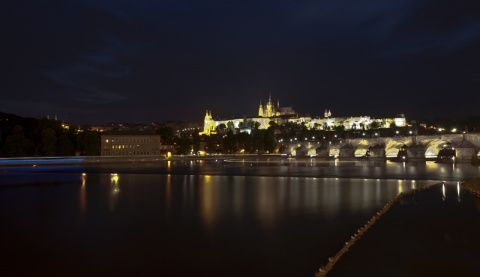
(465, 145)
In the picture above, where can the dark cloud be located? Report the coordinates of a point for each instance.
(142, 61)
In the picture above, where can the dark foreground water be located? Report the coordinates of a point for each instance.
(207, 218)
(433, 232)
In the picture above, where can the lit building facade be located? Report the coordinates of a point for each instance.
(209, 125)
(130, 144)
(281, 115)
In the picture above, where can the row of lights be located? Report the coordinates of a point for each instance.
(376, 134)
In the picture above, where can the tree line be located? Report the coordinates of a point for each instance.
(29, 137)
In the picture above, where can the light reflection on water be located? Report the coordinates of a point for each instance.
(205, 212)
(458, 191)
(269, 199)
(82, 195)
(207, 201)
(114, 190)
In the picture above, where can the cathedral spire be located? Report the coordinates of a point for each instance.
(327, 113)
(260, 109)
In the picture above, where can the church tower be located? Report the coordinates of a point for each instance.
(208, 124)
(270, 107)
(327, 113)
(260, 109)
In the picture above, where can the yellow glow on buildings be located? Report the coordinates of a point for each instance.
(281, 115)
(209, 126)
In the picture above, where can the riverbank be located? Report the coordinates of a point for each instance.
(120, 159)
(248, 165)
(270, 158)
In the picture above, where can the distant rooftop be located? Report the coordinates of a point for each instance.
(130, 133)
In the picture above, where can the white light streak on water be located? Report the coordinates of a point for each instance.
(458, 190)
(443, 190)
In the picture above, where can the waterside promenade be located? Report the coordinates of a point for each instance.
(428, 232)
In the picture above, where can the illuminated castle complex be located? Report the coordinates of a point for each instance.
(281, 115)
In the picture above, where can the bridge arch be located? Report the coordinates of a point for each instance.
(432, 149)
(301, 151)
(322, 151)
(334, 151)
(392, 149)
(361, 150)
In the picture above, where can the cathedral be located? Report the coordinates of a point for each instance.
(270, 110)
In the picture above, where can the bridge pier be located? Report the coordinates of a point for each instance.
(347, 151)
(377, 151)
(416, 152)
(465, 150)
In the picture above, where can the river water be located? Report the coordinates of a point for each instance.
(219, 217)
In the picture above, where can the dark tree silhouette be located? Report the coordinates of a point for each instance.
(17, 145)
(48, 143)
(65, 146)
(88, 143)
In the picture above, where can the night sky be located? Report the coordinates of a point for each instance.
(98, 61)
